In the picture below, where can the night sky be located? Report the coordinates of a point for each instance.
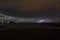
(31, 8)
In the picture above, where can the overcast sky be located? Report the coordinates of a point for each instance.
(31, 7)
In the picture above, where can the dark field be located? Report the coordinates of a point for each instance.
(29, 31)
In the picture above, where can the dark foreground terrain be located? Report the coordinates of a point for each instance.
(30, 31)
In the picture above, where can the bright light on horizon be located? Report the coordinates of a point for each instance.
(43, 21)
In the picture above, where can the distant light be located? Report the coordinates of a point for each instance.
(44, 21)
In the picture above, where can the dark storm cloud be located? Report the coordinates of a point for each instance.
(30, 8)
